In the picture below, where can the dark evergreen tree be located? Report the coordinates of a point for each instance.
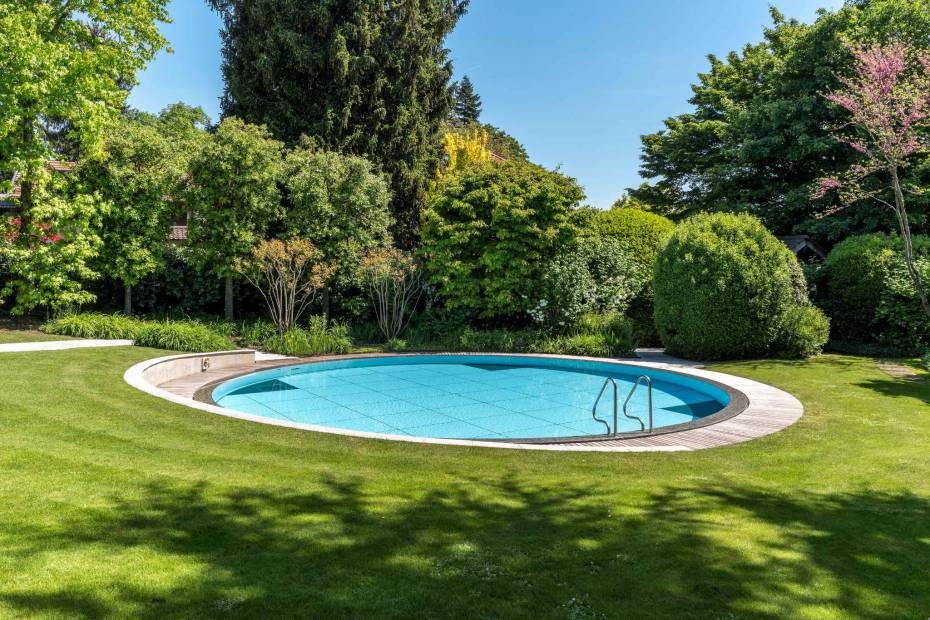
(467, 108)
(365, 77)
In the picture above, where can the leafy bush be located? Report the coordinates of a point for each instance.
(723, 287)
(639, 232)
(637, 235)
(185, 335)
(804, 331)
(255, 334)
(568, 289)
(870, 296)
(94, 325)
(320, 338)
(188, 336)
(488, 232)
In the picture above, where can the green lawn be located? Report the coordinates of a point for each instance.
(114, 503)
(26, 335)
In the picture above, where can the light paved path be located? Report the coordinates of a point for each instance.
(658, 356)
(59, 345)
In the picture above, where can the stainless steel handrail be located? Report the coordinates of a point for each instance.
(597, 402)
(642, 425)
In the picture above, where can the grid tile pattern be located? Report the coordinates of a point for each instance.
(459, 401)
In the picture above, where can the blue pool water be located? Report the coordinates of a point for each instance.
(464, 397)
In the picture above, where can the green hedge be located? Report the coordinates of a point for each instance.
(870, 297)
(725, 287)
(186, 336)
(640, 234)
(595, 335)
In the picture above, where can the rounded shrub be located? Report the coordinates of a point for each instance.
(724, 288)
(870, 296)
(638, 232)
(804, 331)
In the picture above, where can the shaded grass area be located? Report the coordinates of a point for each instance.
(113, 503)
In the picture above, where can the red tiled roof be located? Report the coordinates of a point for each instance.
(178, 233)
(53, 164)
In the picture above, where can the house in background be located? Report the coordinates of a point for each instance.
(804, 248)
(9, 202)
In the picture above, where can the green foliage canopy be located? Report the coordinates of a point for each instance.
(340, 203)
(759, 135)
(466, 106)
(870, 297)
(233, 196)
(489, 231)
(368, 78)
(141, 176)
(65, 69)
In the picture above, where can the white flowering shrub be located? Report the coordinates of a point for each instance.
(591, 275)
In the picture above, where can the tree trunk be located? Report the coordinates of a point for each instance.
(127, 300)
(325, 302)
(229, 298)
(905, 229)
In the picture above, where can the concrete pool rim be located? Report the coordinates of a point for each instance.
(755, 409)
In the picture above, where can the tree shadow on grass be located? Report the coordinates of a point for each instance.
(492, 549)
(898, 388)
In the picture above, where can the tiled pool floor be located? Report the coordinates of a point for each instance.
(465, 401)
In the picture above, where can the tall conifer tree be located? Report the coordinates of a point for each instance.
(366, 77)
(467, 107)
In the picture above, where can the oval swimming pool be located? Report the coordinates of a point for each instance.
(484, 397)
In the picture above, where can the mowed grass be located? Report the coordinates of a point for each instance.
(116, 504)
(11, 336)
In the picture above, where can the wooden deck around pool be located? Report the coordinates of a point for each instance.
(769, 410)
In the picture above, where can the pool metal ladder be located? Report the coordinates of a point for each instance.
(610, 381)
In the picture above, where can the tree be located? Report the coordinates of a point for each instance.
(393, 280)
(467, 106)
(65, 70)
(366, 78)
(48, 255)
(503, 144)
(233, 198)
(888, 102)
(758, 136)
(141, 175)
(489, 232)
(465, 148)
(341, 204)
(288, 275)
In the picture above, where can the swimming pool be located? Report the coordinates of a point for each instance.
(485, 397)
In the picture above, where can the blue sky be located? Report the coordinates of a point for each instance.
(576, 82)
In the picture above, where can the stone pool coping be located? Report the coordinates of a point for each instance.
(757, 409)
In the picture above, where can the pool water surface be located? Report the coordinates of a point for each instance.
(465, 397)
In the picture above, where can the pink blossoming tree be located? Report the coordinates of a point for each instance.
(888, 101)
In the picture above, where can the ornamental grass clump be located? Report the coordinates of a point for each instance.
(184, 335)
(320, 337)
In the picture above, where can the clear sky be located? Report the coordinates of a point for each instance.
(576, 82)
